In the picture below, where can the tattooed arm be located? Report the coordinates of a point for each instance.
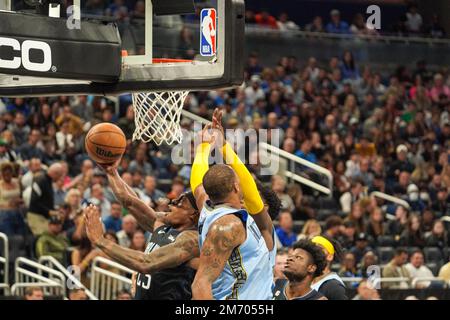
(182, 250)
(147, 218)
(224, 235)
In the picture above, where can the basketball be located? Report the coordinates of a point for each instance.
(105, 143)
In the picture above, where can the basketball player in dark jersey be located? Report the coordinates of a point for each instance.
(305, 262)
(167, 267)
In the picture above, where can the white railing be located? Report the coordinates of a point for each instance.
(52, 263)
(417, 280)
(390, 198)
(25, 277)
(17, 289)
(312, 166)
(106, 283)
(288, 157)
(254, 29)
(4, 263)
(379, 281)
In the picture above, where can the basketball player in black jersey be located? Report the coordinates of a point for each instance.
(305, 262)
(167, 267)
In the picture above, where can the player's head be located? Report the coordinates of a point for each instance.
(183, 211)
(305, 260)
(270, 199)
(330, 247)
(221, 184)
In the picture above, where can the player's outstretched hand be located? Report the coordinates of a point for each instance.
(218, 128)
(111, 167)
(206, 135)
(94, 226)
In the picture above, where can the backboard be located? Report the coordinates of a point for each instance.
(112, 49)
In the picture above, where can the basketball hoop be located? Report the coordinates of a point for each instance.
(157, 114)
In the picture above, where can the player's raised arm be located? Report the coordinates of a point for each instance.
(223, 237)
(144, 214)
(184, 249)
(252, 198)
(201, 166)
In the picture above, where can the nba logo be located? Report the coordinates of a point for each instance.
(208, 32)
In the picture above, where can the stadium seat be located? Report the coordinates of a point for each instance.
(434, 267)
(386, 241)
(412, 249)
(385, 254)
(433, 255)
(323, 214)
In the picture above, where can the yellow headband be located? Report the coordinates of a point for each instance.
(327, 245)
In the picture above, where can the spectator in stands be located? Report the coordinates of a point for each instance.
(414, 21)
(52, 242)
(264, 19)
(19, 128)
(439, 88)
(7, 154)
(129, 227)
(439, 237)
(279, 186)
(347, 234)
(19, 105)
(348, 268)
(352, 196)
(370, 259)
(444, 272)
(396, 227)
(412, 236)
(417, 269)
(366, 291)
(253, 92)
(349, 70)
(11, 220)
(285, 229)
(356, 215)
(98, 198)
(396, 269)
(361, 246)
(33, 148)
(42, 200)
(316, 25)
(442, 204)
(151, 191)
(77, 294)
(311, 228)
(333, 226)
(74, 123)
(359, 26)
(284, 24)
(34, 293)
(141, 163)
(113, 222)
(435, 29)
(402, 163)
(124, 295)
(280, 262)
(336, 25)
(305, 152)
(82, 257)
(375, 226)
(138, 241)
(176, 189)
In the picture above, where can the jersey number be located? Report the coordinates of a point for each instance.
(144, 283)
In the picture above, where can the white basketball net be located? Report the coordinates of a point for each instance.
(157, 116)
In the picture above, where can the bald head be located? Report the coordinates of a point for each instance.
(55, 171)
(219, 182)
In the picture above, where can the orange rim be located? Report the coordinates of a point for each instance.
(167, 60)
